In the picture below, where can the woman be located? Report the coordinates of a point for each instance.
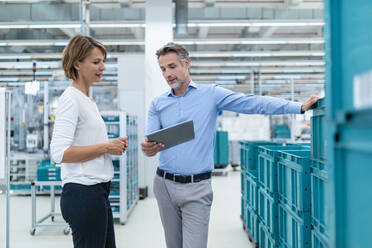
(80, 143)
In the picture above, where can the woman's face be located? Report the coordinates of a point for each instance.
(91, 68)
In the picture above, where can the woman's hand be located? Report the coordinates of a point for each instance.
(117, 146)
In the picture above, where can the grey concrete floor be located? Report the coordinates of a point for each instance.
(143, 228)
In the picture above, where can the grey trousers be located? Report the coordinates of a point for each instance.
(184, 211)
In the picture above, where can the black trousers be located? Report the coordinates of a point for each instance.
(87, 210)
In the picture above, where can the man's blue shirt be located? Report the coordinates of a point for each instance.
(201, 104)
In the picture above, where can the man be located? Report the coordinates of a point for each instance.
(182, 186)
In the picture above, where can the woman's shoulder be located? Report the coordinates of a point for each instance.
(68, 97)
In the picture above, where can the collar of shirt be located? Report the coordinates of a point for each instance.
(191, 85)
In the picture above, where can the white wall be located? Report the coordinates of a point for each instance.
(159, 15)
(246, 127)
(131, 86)
(140, 78)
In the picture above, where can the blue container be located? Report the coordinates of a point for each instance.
(252, 190)
(349, 125)
(294, 180)
(252, 224)
(318, 140)
(243, 184)
(294, 229)
(281, 132)
(267, 164)
(318, 240)
(48, 172)
(243, 156)
(268, 211)
(243, 213)
(25, 186)
(320, 198)
(221, 150)
(249, 153)
(265, 238)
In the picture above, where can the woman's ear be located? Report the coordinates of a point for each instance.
(77, 65)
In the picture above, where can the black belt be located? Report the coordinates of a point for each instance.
(182, 178)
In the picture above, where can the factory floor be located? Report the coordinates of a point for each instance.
(143, 228)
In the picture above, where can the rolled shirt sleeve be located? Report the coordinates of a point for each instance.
(251, 104)
(64, 127)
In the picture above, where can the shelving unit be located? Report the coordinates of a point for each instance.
(124, 186)
(23, 168)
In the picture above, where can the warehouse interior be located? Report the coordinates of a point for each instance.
(292, 180)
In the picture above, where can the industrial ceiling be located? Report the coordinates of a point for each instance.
(251, 46)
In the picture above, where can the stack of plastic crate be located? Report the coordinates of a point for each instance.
(319, 179)
(48, 171)
(294, 208)
(249, 186)
(268, 192)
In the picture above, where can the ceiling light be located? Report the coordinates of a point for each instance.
(257, 23)
(7, 26)
(15, 57)
(225, 82)
(250, 41)
(116, 25)
(120, 42)
(59, 25)
(8, 79)
(30, 43)
(60, 43)
(263, 42)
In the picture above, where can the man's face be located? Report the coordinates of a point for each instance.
(173, 70)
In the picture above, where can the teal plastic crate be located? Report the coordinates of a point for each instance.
(281, 132)
(318, 240)
(268, 210)
(45, 163)
(249, 153)
(265, 238)
(243, 156)
(320, 199)
(318, 140)
(243, 184)
(48, 172)
(221, 150)
(267, 164)
(294, 180)
(113, 118)
(252, 224)
(25, 186)
(252, 190)
(349, 126)
(294, 229)
(243, 213)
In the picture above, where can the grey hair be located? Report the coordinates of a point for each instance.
(180, 50)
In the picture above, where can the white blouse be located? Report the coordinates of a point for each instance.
(79, 123)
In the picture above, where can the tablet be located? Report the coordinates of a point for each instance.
(174, 135)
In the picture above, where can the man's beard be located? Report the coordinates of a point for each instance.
(177, 84)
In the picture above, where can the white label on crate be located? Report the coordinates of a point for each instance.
(363, 90)
(2, 133)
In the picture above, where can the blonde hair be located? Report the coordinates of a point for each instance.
(77, 50)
